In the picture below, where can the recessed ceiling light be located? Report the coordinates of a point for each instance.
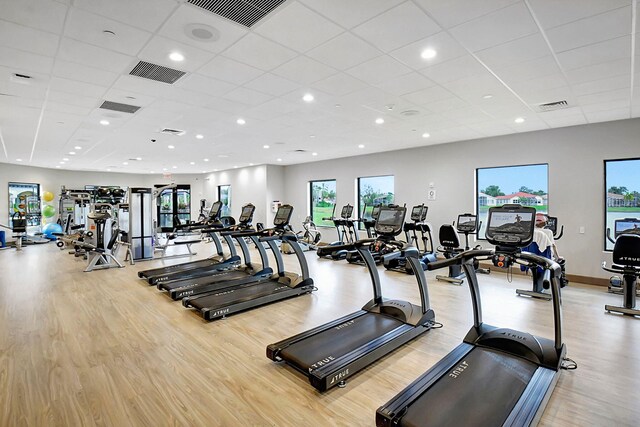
(223, 156)
(18, 160)
(519, 120)
(176, 56)
(312, 136)
(314, 154)
(204, 171)
(379, 120)
(265, 146)
(192, 163)
(77, 147)
(279, 160)
(125, 163)
(428, 53)
(487, 96)
(250, 164)
(62, 163)
(198, 136)
(241, 121)
(426, 135)
(338, 105)
(164, 169)
(73, 153)
(151, 172)
(66, 159)
(308, 97)
(205, 160)
(171, 147)
(235, 167)
(138, 158)
(174, 167)
(104, 122)
(361, 146)
(108, 170)
(215, 170)
(58, 167)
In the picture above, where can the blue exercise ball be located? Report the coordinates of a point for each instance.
(49, 229)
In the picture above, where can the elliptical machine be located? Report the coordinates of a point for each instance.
(626, 261)
(347, 235)
(467, 224)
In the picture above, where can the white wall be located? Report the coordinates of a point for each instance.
(275, 192)
(52, 179)
(576, 179)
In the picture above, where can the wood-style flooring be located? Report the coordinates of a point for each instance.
(104, 348)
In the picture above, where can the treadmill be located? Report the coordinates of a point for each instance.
(333, 352)
(278, 286)
(244, 223)
(497, 376)
(213, 218)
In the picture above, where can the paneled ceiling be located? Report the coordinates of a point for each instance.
(383, 75)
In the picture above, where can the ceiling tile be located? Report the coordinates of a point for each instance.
(259, 52)
(382, 31)
(89, 28)
(405, 84)
(453, 12)
(599, 71)
(297, 19)
(353, 12)
(514, 52)
(158, 49)
(344, 51)
(147, 87)
(304, 70)
(603, 85)
(247, 96)
(619, 97)
(76, 87)
(145, 14)
(82, 73)
(199, 83)
(181, 25)
(127, 97)
(272, 85)
(455, 69)
(92, 56)
(522, 71)
(496, 28)
(229, 70)
(339, 84)
(473, 88)
(379, 69)
(24, 61)
(608, 115)
(552, 13)
(606, 51)
(43, 15)
(71, 99)
(591, 30)
(446, 104)
(444, 45)
(271, 109)
(556, 122)
(28, 39)
(428, 95)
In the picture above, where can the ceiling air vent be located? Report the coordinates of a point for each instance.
(116, 106)
(551, 106)
(169, 131)
(243, 12)
(156, 72)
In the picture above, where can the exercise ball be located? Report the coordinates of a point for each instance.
(48, 211)
(48, 196)
(49, 229)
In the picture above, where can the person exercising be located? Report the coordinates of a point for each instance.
(544, 239)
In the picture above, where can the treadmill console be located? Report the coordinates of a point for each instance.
(347, 210)
(375, 212)
(627, 226)
(511, 226)
(467, 223)
(247, 214)
(283, 216)
(390, 220)
(419, 213)
(214, 212)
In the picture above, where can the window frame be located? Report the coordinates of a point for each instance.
(228, 205)
(604, 203)
(359, 196)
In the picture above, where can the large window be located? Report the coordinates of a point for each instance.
(374, 190)
(322, 199)
(173, 203)
(527, 185)
(24, 200)
(224, 196)
(622, 184)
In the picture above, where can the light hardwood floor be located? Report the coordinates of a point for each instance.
(103, 348)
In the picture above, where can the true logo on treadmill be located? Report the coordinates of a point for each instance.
(219, 313)
(322, 362)
(340, 376)
(344, 325)
(185, 293)
(459, 369)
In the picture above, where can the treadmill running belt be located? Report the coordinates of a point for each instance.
(339, 340)
(238, 294)
(482, 395)
(220, 276)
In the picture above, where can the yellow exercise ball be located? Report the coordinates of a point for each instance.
(48, 196)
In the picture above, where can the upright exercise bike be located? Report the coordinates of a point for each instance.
(626, 261)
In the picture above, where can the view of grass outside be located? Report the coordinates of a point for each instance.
(224, 195)
(623, 196)
(374, 190)
(527, 185)
(323, 198)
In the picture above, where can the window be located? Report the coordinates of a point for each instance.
(224, 196)
(173, 203)
(527, 185)
(622, 193)
(24, 199)
(322, 200)
(374, 190)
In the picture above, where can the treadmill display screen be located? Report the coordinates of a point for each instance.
(247, 213)
(467, 223)
(347, 210)
(511, 226)
(419, 213)
(390, 221)
(283, 215)
(215, 210)
(627, 226)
